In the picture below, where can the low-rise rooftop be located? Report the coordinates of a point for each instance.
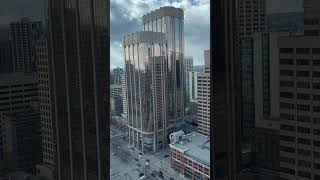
(195, 146)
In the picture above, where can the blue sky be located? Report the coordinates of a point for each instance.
(125, 17)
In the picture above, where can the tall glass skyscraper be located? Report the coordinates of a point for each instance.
(170, 21)
(145, 55)
(78, 58)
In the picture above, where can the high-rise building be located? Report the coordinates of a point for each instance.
(21, 137)
(224, 109)
(170, 20)
(146, 77)
(203, 97)
(78, 53)
(188, 67)
(17, 91)
(192, 82)
(299, 74)
(116, 100)
(45, 98)
(116, 75)
(265, 143)
(124, 94)
(22, 36)
(252, 17)
(311, 17)
(299, 107)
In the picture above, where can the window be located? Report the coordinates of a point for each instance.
(304, 85)
(303, 62)
(287, 170)
(286, 116)
(286, 61)
(303, 107)
(316, 108)
(303, 73)
(286, 94)
(286, 73)
(316, 143)
(315, 50)
(316, 132)
(316, 97)
(286, 105)
(302, 50)
(303, 96)
(301, 118)
(304, 141)
(316, 62)
(303, 130)
(304, 174)
(304, 152)
(287, 127)
(287, 160)
(316, 85)
(316, 74)
(286, 50)
(287, 138)
(286, 84)
(304, 163)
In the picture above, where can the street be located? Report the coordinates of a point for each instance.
(126, 164)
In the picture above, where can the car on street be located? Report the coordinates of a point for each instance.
(147, 160)
(171, 178)
(143, 177)
(136, 159)
(166, 155)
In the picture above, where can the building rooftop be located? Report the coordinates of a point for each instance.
(195, 146)
(162, 12)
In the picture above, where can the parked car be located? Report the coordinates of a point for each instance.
(136, 159)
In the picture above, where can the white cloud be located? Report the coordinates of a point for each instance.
(197, 23)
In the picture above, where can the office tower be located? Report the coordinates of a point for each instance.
(116, 100)
(145, 66)
(252, 17)
(299, 107)
(225, 106)
(116, 76)
(21, 137)
(17, 90)
(247, 87)
(45, 98)
(311, 17)
(299, 100)
(124, 94)
(22, 36)
(285, 22)
(203, 97)
(265, 146)
(188, 67)
(5, 57)
(192, 82)
(170, 20)
(78, 57)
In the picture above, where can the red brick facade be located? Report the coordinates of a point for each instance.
(186, 162)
